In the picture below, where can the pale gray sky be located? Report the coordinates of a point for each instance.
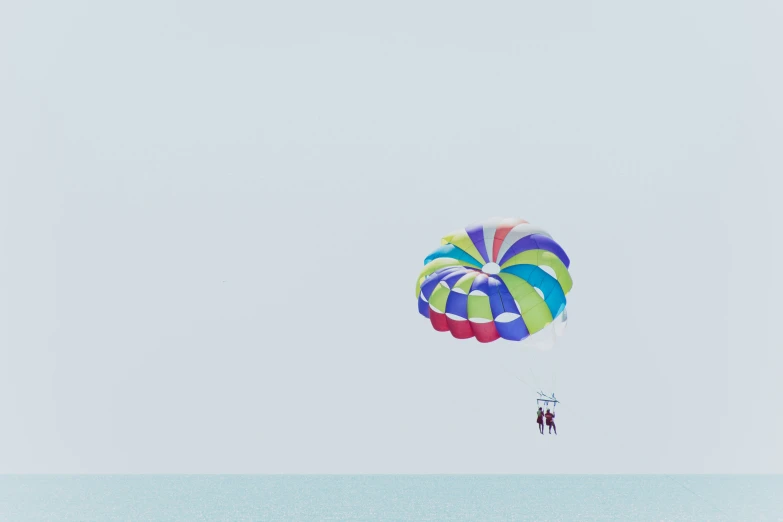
(213, 215)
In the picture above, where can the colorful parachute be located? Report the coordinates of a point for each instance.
(503, 278)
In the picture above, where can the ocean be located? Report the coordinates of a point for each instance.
(399, 498)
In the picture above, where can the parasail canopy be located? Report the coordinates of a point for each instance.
(503, 278)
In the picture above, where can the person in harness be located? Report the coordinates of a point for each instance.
(540, 420)
(550, 421)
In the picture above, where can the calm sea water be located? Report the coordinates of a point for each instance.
(626, 498)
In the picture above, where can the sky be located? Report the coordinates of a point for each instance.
(214, 215)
